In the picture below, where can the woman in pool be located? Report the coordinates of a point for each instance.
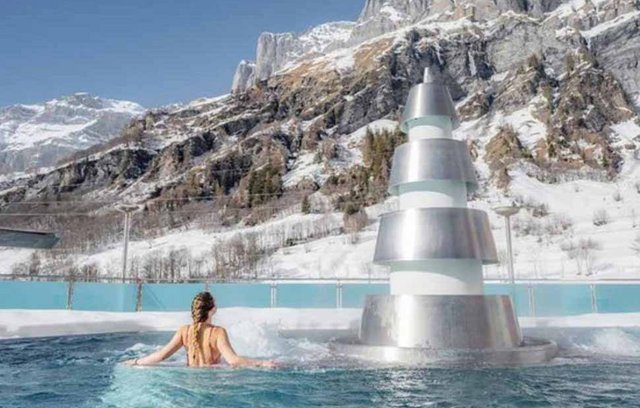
(205, 343)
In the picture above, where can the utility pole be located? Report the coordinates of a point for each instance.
(507, 212)
(128, 210)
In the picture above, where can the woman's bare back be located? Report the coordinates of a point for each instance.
(208, 344)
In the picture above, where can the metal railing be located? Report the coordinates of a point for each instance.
(533, 299)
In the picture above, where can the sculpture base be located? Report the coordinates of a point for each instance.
(440, 322)
(444, 330)
(531, 352)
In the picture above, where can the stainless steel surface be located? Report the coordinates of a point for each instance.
(435, 233)
(429, 75)
(425, 100)
(27, 239)
(512, 273)
(531, 352)
(432, 159)
(440, 322)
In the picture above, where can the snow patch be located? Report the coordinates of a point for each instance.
(305, 167)
(601, 28)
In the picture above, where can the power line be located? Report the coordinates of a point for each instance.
(89, 214)
(203, 198)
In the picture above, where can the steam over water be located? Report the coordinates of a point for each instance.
(596, 367)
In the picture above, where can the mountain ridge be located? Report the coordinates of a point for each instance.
(39, 135)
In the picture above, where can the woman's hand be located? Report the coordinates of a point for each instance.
(268, 364)
(160, 355)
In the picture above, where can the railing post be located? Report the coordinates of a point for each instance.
(532, 300)
(70, 288)
(139, 296)
(274, 294)
(339, 295)
(594, 299)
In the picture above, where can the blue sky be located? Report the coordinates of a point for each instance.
(153, 52)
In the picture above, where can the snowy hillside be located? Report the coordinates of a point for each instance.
(39, 135)
(275, 178)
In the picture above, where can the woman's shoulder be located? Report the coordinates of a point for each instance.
(217, 331)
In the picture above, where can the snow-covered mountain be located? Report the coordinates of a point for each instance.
(39, 135)
(547, 93)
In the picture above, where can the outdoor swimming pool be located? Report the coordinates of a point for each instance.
(597, 367)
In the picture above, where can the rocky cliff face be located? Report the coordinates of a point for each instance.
(276, 51)
(373, 8)
(551, 109)
(33, 136)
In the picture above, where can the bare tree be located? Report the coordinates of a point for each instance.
(600, 217)
(635, 245)
(354, 223)
(584, 254)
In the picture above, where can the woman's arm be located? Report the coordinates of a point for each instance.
(160, 355)
(224, 345)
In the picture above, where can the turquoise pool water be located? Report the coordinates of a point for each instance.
(596, 368)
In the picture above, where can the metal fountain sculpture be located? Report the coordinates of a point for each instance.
(436, 247)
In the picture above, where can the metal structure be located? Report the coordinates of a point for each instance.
(507, 212)
(128, 210)
(436, 247)
(27, 239)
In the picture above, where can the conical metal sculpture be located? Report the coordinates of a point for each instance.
(436, 247)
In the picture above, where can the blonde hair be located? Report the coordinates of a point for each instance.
(202, 303)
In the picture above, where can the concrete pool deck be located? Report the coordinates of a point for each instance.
(290, 322)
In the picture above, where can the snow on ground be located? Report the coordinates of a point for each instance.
(305, 167)
(42, 323)
(240, 321)
(330, 257)
(538, 254)
(626, 131)
(200, 243)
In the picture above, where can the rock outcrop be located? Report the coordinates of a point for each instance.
(244, 77)
(275, 51)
